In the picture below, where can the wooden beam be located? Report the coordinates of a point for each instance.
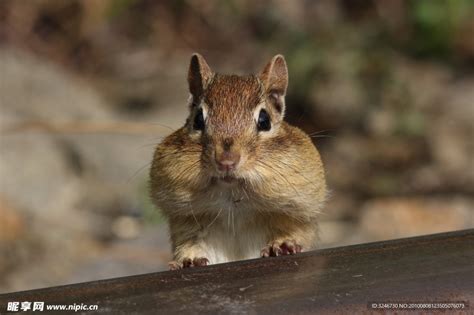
(433, 268)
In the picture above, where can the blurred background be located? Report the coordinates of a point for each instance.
(88, 88)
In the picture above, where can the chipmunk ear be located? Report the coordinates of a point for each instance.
(275, 75)
(275, 80)
(199, 76)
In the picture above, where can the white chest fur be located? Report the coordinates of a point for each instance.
(233, 234)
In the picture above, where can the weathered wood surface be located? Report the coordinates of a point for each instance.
(430, 268)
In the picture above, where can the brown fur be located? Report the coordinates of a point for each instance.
(278, 187)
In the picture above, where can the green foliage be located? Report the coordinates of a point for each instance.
(435, 22)
(304, 60)
(383, 184)
(118, 7)
(410, 123)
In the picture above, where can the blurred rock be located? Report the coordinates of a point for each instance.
(417, 84)
(451, 130)
(389, 218)
(345, 161)
(341, 205)
(126, 227)
(12, 223)
(27, 163)
(336, 233)
(33, 88)
(371, 165)
(148, 252)
(382, 122)
(337, 95)
(70, 186)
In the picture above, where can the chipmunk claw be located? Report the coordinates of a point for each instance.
(174, 265)
(287, 247)
(290, 247)
(189, 263)
(200, 261)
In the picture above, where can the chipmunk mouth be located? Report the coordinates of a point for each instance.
(226, 179)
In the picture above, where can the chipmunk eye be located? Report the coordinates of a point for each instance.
(199, 120)
(263, 122)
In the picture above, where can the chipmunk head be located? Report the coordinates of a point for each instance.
(233, 116)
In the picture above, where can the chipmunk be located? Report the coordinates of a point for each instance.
(236, 181)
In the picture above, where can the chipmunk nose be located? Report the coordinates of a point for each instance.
(227, 161)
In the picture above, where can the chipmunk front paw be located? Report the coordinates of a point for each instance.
(188, 263)
(287, 247)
